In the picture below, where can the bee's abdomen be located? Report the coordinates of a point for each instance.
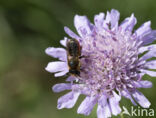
(73, 64)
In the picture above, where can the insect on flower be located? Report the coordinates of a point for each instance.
(112, 68)
(73, 56)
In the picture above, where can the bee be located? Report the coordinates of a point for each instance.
(73, 49)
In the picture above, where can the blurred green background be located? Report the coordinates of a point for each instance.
(27, 28)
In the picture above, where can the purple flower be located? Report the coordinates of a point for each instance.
(112, 67)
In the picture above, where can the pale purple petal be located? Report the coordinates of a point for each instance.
(143, 30)
(63, 42)
(103, 112)
(149, 38)
(151, 64)
(68, 100)
(61, 73)
(114, 104)
(112, 19)
(82, 88)
(141, 99)
(70, 78)
(83, 25)
(102, 100)
(128, 23)
(115, 15)
(59, 53)
(71, 33)
(98, 20)
(61, 87)
(127, 95)
(151, 73)
(149, 55)
(143, 84)
(56, 66)
(147, 48)
(141, 74)
(107, 20)
(87, 105)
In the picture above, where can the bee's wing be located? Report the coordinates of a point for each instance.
(67, 46)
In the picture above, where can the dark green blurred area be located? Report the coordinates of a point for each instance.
(27, 28)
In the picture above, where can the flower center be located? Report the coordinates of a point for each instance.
(109, 58)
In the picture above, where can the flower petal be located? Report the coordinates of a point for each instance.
(147, 48)
(107, 20)
(103, 112)
(112, 18)
(59, 53)
(151, 73)
(143, 30)
(87, 105)
(83, 25)
(128, 23)
(102, 100)
(115, 15)
(68, 100)
(151, 64)
(71, 33)
(127, 95)
(143, 84)
(148, 55)
(61, 73)
(63, 42)
(98, 20)
(61, 87)
(70, 79)
(149, 38)
(56, 66)
(82, 88)
(141, 99)
(114, 104)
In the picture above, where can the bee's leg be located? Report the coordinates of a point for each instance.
(80, 57)
(78, 74)
(81, 68)
(67, 74)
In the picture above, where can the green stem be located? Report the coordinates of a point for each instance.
(121, 115)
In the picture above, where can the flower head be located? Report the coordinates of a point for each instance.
(111, 67)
